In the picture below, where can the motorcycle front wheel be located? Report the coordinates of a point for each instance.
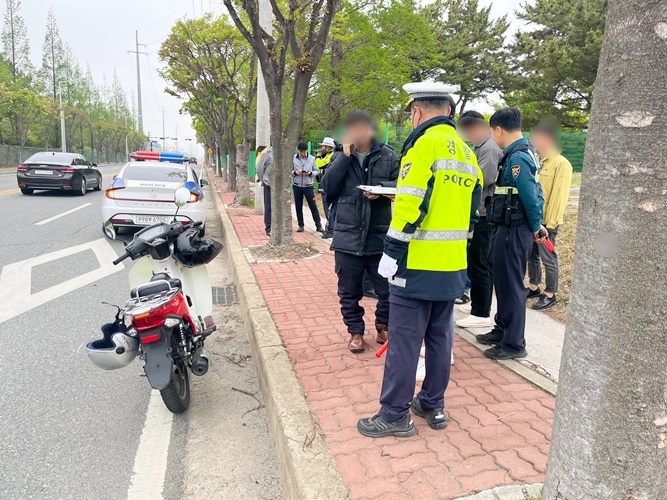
(176, 395)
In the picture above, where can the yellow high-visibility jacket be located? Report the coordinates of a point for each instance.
(438, 192)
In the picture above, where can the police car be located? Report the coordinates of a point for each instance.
(143, 192)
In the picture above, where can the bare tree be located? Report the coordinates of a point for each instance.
(294, 50)
(610, 430)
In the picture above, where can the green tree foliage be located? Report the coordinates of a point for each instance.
(211, 66)
(554, 63)
(15, 44)
(374, 48)
(53, 58)
(470, 47)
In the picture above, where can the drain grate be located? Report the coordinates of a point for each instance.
(223, 295)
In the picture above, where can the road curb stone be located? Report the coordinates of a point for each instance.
(516, 492)
(307, 466)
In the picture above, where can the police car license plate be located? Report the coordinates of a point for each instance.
(149, 219)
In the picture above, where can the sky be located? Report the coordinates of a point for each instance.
(101, 32)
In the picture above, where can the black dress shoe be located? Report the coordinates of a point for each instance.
(544, 302)
(371, 294)
(498, 352)
(435, 418)
(531, 294)
(377, 427)
(494, 337)
(300, 230)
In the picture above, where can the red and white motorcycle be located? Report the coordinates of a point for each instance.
(169, 314)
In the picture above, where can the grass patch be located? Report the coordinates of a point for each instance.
(576, 180)
(247, 202)
(565, 250)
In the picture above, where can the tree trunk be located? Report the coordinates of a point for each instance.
(610, 430)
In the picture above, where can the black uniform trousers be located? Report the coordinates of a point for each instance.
(267, 208)
(480, 269)
(350, 270)
(511, 246)
(309, 194)
(412, 321)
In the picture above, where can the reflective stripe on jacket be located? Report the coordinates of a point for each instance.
(438, 193)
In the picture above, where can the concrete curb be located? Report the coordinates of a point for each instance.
(307, 467)
(523, 371)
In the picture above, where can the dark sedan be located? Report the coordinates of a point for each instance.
(61, 171)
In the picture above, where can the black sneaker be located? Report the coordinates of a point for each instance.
(494, 337)
(376, 427)
(531, 294)
(319, 229)
(498, 352)
(435, 418)
(371, 294)
(327, 234)
(300, 230)
(544, 302)
(463, 299)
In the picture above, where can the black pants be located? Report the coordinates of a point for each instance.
(267, 208)
(325, 204)
(410, 322)
(480, 269)
(350, 270)
(309, 193)
(511, 245)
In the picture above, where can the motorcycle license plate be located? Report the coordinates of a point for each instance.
(44, 172)
(150, 219)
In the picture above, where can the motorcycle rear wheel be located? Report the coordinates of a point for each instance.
(176, 395)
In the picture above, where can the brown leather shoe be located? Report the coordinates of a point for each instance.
(382, 334)
(356, 344)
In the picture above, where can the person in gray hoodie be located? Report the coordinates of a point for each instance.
(263, 166)
(304, 171)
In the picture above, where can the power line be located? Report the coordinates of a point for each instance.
(180, 9)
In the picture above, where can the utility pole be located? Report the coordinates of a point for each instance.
(164, 135)
(62, 124)
(140, 113)
(262, 128)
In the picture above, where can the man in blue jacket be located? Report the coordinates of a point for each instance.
(361, 223)
(516, 213)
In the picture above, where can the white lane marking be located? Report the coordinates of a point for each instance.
(150, 462)
(50, 219)
(15, 279)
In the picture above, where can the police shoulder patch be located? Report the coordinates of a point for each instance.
(516, 170)
(405, 169)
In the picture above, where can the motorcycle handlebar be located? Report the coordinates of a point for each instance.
(121, 258)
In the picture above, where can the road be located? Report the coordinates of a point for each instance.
(71, 430)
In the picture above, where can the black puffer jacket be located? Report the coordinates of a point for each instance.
(361, 224)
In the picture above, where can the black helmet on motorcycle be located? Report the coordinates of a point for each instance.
(190, 250)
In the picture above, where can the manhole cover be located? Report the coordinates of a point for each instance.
(223, 295)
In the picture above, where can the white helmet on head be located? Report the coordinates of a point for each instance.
(328, 141)
(115, 350)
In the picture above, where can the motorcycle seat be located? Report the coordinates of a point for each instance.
(155, 286)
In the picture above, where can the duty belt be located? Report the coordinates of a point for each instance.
(506, 190)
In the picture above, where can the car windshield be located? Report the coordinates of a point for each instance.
(163, 174)
(50, 158)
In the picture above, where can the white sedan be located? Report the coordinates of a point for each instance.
(143, 194)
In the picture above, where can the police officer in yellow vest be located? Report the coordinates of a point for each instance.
(438, 192)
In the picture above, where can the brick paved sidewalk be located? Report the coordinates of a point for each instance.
(500, 425)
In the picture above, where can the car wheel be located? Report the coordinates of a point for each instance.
(27, 190)
(98, 187)
(82, 188)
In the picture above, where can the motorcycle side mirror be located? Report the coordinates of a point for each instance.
(109, 230)
(181, 196)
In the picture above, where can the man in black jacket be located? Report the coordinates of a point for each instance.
(361, 223)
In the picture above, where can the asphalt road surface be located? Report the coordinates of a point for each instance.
(70, 430)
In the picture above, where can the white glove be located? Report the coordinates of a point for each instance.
(388, 266)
